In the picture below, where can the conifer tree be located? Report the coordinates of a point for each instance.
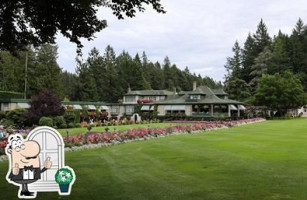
(262, 63)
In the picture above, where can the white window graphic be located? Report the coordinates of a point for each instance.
(51, 144)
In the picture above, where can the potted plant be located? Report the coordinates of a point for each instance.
(64, 177)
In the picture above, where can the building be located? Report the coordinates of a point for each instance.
(302, 111)
(11, 104)
(149, 97)
(201, 102)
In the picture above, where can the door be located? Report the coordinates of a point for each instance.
(52, 145)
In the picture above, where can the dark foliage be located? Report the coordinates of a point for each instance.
(24, 22)
(46, 104)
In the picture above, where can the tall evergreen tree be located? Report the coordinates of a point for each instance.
(262, 63)
(69, 80)
(45, 72)
(233, 64)
(261, 37)
(167, 74)
(296, 49)
(86, 85)
(112, 91)
(98, 69)
(280, 57)
(248, 56)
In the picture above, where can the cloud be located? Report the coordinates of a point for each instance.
(198, 34)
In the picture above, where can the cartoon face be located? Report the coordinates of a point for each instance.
(23, 153)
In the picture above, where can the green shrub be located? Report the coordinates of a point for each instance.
(77, 144)
(68, 144)
(78, 125)
(7, 123)
(2, 151)
(71, 125)
(63, 125)
(18, 117)
(77, 116)
(69, 117)
(45, 121)
(59, 121)
(2, 115)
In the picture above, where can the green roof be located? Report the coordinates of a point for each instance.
(219, 91)
(150, 93)
(84, 103)
(63, 102)
(184, 99)
(14, 100)
(204, 90)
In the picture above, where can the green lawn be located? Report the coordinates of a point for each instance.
(77, 131)
(266, 160)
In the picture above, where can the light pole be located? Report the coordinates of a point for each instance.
(67, 134)
(26, 73)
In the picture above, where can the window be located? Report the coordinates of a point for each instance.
(162, 97)
(115, 109)
(6, 106)
(129, 109)
(130, 99)
(194, 96)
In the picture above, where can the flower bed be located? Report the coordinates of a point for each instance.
(143, 133)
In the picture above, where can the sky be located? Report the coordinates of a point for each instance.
(198, 34)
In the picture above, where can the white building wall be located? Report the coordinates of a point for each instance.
(188, 110)
(303, 111)
(161, 111)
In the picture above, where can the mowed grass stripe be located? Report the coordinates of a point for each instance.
(266, 160)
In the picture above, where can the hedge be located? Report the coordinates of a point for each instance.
(46, 121)
(11, 95)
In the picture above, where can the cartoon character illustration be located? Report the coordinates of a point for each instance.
(25, 167)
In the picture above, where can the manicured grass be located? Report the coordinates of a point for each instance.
(266, 160)
(77, 131)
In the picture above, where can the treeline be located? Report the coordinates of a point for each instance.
(262, 55)
(101, 77)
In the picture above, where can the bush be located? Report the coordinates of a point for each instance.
(46, 121)
(2, 115)
(71, 125)
(77, 116)
(7, 123)
(18, 117)
(78, 125)
(63, 125)
(69, 117)
(67, 144)
(59, 121)
(44, 104)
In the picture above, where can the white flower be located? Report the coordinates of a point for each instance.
(63, 179)
(68, 175)
(61, 173)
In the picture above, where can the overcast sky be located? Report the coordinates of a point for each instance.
(194, 33)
